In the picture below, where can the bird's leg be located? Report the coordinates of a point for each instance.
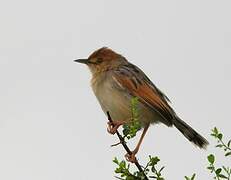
(131, 157)
(113, 126)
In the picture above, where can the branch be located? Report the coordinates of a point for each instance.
(127, 148)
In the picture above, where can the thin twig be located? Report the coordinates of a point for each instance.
(116, 144)
(126, 147)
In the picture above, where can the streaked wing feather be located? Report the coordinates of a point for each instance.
(137, 84)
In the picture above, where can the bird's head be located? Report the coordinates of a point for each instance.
(102, 59)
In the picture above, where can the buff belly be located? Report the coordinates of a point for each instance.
(118, 102)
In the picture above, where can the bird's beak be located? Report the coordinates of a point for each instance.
(84, 61)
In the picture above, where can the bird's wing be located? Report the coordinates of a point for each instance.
(133, 80)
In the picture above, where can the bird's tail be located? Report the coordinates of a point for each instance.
(190, 133)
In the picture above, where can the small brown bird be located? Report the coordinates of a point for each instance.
(115, 81)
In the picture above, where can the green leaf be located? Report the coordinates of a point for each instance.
(227, 170)
(115, 160)
(130, 129)
(220, 136)
(229, 143)
(211, 158)
(218, 171)
(192, 178)
(219, 145)
(131, 178)
(228, 154)
(153, 161)
(161, 169)
(215, 130)
(222, 176)
(159, 178)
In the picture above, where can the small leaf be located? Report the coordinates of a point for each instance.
(222, 176)
(220, 136)
(161, 169)
(218, 171)
(213, 135)
(211, 158)
(219, 145)
(229, 143)
(228, 154)
(153, 160)
(193, 177)
(215, 130)
(226, 169)
(115, 160)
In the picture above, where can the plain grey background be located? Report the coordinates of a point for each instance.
(52, 127)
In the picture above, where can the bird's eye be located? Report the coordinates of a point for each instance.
(99, 60)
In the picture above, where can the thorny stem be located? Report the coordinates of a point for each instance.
(126, 147)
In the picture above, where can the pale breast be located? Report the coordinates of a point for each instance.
(110, 98)
(117, 100)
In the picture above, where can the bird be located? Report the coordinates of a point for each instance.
(115, 81)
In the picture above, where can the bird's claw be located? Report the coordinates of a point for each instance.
(111, 128)
(131, 157)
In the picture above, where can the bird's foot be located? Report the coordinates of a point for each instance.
(113, 126)
(131, 157)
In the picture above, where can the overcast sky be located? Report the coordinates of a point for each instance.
(52, 127)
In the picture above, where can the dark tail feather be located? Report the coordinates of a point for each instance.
(190, 133)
